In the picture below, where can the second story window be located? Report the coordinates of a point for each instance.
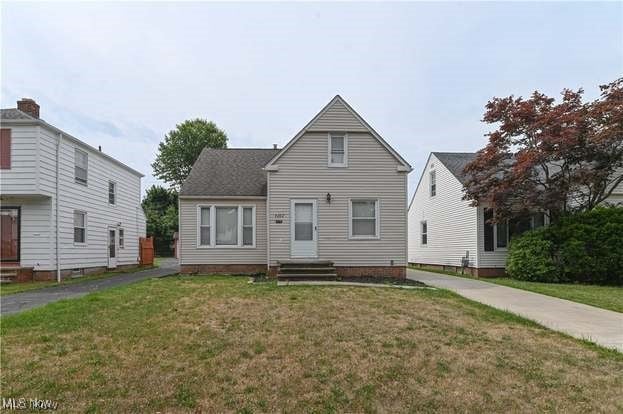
(81, 166)
(433, 183)
(5, 149)
(112, 192)
(338, 150)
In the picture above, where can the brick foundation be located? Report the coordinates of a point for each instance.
(397, 272)
(47, 275)
(472, 271)
(223, 269)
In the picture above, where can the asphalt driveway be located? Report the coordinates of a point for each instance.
(601, 326)
(27, 300)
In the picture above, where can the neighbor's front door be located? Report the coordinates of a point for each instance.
(303, 229)
(9, 229)
(112, 248)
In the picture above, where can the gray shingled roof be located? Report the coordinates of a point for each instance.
(13, 113)
(228, 172)
(456, 162)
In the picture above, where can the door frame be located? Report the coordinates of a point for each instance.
(19, 233)
(314, 203)
(116, 240)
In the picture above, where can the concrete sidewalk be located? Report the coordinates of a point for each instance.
(601, 326)
(30, 299)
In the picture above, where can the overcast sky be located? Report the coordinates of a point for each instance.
(121, 75)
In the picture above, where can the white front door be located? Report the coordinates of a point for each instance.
(303, 229)
(112, 247)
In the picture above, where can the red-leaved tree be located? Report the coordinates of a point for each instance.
(547, 156)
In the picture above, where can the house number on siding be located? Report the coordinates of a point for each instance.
(279, 217)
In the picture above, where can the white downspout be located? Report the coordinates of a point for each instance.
(58, 256)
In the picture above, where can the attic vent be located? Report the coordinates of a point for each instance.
(432, 165)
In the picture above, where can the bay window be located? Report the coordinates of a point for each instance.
(225, 226)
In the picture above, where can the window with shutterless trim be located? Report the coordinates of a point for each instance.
(112, 192)
(80, 226)
(81, 166)
(424, 232)
(224, 225)
(433, 183)
(338, 149)
(364, 219)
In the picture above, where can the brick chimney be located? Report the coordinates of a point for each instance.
(28, 106)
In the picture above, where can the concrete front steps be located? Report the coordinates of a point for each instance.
(306, 270)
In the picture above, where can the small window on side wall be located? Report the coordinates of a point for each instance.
(433, 184)
(338, 150)
(81, 166)
(112, 192)
(424, 232)
(80, 228)
(121, 239)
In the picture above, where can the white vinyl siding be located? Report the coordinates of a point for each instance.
(33, 172)
(191, 250)
(451, 224)
(371, 174)
(337, 118)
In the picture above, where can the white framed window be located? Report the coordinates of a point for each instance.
(248, 226)
(364, 219)
(204, 233)
(80, 226)
(121, 239)
(112, 192)
(338, 149)
(433, 183)
(424, 233)
(226, 226)
(81, 166)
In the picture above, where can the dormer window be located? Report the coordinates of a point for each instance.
(338, 150)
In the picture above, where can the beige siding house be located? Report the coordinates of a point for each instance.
(335, 194)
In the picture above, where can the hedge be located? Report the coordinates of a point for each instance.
(584, 247)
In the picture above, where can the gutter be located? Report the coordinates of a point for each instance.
(58, 256)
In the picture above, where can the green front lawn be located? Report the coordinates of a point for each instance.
(606, 297)
(11, 288)
(220, 344)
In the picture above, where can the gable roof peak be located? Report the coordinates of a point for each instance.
(365, 125)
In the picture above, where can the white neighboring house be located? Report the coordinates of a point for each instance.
(446, 232)
(45, 170)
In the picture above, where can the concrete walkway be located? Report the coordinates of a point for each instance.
(601, 326)
(30, 299)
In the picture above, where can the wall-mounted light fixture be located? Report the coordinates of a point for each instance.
(328, 197)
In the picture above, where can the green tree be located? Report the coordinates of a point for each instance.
(181, 147)
(160, 206)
